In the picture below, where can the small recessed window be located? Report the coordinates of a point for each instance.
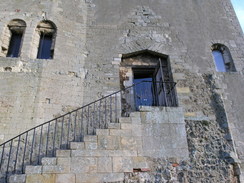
(219, 61)
(222, 58)
(46, 30)
(12, 39)
(45, 47)
(15, 43)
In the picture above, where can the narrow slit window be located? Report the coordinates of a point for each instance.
(219, 61)
(13, 37)
(46, 30)
(15, 44)
(222, 58)
(45, 45)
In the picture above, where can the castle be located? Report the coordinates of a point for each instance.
(121, 91)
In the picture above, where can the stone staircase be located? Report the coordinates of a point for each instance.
(103, 157)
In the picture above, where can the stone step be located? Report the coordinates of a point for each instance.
(125, 120)
(49, 161)
(17, 178)
(98, 153)
(77, 145)
(135, 115)
(90, 138)
(47, 169)
(113, 125)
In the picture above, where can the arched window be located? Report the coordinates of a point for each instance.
(222, 58)
(12, 38)
(47, 34)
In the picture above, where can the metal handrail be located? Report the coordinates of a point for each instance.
(43, 140)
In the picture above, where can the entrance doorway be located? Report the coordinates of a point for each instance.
(147, 81)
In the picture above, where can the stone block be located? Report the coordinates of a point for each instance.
(126, 126)
(99, 177)
(49, 161)
(90, 145)
(108, 142)
(135, 115)
(90, 138)
(56, 169)
(122, 164)
(65, 178)
(122, 153)
(113, 125)
(102, 132)
(83, 165)
(179, 76)
(190, 114)
(17, 178)
(128, 143)
(136, 128)
(77, 145)
(135, 120)
(140, 162)
(63, 153)
(63, 161)
(104, 164)
(119, 132)
(41, 178)
(124, 120)
(33, 169)
(183, 90)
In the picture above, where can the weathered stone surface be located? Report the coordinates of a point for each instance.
(108, 142)
(65, 178)
(64, 161)
(122, 164)
(83, 165)
(90, 138)
(54, 169)
(99, 177)
(128, 143)
(63, 153)
(102, 132)
(17, 178)
(77, 145)
(114, 126)
(104, 164)
(49, 161)
(41, 178)
(120, 132)
(90, 145)
(33, 169)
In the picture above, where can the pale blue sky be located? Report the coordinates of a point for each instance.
(239, 8)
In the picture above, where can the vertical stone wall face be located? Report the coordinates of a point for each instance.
(93, 36)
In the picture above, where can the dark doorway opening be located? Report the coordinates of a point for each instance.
(147, 80)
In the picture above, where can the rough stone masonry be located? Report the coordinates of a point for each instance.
(93, 39)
